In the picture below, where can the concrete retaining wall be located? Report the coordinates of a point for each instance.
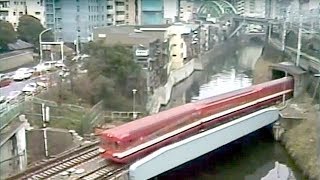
(162, 95)
(13, 60)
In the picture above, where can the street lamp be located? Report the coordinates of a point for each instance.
(134, 91)
(40, 41)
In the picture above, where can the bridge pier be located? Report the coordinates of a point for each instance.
(278, 131)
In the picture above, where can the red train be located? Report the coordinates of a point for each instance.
(136, 139)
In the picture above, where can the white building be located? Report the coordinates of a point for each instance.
(170, 10)
(187, 10)
(120, 12)
(12, 10)
(251, 8)
(177, 45)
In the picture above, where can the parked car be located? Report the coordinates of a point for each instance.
(59, 64)
(46, 66)
(30, 88)
(42, 84)
(4, 80)
(22, 74)
(14, 96)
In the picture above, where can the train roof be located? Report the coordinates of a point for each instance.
(123, 131)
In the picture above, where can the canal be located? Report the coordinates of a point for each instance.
(248, 158)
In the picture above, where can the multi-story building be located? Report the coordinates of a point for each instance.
(150, 12)
(187, 11)
(75, 20)
(171, 9)
(183, 44)
(120, 12)
(12, 10)
(251, 8)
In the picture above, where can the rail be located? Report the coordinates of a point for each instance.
(104, 172)
(61, 163)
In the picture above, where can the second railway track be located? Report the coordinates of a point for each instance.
(60, 164)
(103, 172)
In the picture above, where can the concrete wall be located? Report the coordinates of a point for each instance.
(13, 157)
(8, 61)
(162, 95)
(58, 142)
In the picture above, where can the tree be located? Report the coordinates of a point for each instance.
(29, 29)
(115, 62)
(7, 35)
(112, 73)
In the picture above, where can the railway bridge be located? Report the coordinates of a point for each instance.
(183, 151)
(71, 165)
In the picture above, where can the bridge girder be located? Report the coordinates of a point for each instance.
(216, 8)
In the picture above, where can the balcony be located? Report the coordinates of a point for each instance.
(120, 17)
(4, 6)
(110, 11)
(120, 8)
(109, 20)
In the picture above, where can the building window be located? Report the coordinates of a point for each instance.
(78, 8)
(127, 7)
(14, 13)
(37, 13)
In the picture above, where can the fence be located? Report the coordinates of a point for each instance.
(10, 113)
(122, 115)
(92, 118)
(65, 116)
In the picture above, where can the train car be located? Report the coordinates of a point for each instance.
(136, 139)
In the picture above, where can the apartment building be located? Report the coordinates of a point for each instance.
(251, 8)
(12, 10)
(121, 12)
(150, 12)
(74, 20)
(170, 11)
(188, 10)
(183, 44)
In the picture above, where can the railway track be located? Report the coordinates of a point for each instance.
(104, 172)
(59, 164)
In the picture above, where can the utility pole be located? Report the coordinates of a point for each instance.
(299, 41)
(284, 33)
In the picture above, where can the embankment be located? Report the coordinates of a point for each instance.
(15, 59)
(299, 137)
(162, 95)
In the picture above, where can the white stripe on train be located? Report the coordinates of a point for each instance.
(194, 124)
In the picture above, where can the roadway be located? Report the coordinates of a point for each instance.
(18, 85)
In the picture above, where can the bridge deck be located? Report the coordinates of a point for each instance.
(183, 151)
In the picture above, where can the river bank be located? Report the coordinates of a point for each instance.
(299, 137)
(162, 95)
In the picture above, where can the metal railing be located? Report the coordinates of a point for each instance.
(10, 113)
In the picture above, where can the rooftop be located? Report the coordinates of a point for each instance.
(130, 35)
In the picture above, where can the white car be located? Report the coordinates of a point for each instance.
(14, 95)
(21, 74)
(46, 66)
(30, 88)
